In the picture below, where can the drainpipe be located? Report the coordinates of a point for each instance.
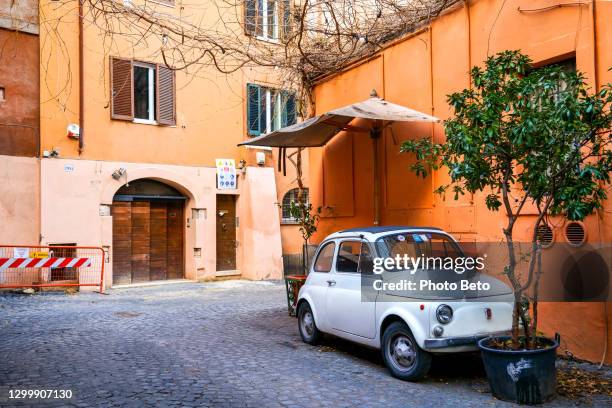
(595, 59)
(81, 80)
(469, 40)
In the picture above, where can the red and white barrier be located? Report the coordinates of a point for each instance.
(6, 263)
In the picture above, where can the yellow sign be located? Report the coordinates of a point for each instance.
(39, 255)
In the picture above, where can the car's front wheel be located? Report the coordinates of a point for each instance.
(403, 357)
(306, 322)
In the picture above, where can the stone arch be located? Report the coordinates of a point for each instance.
(164, 176)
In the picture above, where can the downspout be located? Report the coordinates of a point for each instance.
(596, 84)
(81, 80)
(595, 59)
(469, 40)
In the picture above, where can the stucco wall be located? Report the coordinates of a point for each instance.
(19, 200)
(19, 111)
(419, 72)
(73, 191)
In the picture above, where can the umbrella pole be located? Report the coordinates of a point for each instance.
(375, 135)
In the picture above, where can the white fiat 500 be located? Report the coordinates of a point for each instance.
(348, 296)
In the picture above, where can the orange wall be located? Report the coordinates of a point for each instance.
(210, 106)
(419, 72)
(19, 109)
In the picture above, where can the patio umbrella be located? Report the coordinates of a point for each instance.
(319, 130)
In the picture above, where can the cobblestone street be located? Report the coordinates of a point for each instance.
(223, 344)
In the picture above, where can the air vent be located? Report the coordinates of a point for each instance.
(545, 235)
(575, 233)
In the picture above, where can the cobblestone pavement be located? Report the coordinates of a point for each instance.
(222, 344)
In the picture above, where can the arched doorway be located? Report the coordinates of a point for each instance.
(148, 232)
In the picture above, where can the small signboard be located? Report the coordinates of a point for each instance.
(21, 252)
(39, 254)
(226, 174)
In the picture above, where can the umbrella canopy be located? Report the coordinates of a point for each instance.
(319, 130)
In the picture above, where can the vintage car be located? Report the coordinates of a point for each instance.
(347, 295)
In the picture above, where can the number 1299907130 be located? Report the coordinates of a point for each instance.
(40, 394)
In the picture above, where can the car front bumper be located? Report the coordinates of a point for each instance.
(447, 342)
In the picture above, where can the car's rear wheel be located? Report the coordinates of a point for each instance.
(403, 357)
(306, 322)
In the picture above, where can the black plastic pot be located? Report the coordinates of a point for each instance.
(522, 376)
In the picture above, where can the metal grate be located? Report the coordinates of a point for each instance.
(575, 233)
(545, 235)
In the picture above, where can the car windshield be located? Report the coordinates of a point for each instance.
(418, 244)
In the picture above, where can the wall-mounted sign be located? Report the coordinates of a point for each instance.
(226, 174)
(69, 168)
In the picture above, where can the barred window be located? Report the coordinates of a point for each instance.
(292, 196)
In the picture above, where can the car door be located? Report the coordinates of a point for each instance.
(317, 283)
(347, 312)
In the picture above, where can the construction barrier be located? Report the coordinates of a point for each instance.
(30, 266)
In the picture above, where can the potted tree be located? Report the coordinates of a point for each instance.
(522, 137)
(307, 218)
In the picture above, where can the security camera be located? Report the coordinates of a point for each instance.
(118, 173)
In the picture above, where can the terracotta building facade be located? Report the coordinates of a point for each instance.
(418, 71)
(111, 148)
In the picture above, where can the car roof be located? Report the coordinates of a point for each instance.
(387, 228)
(374, 232)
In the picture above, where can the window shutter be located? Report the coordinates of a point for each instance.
(253, 109)
(259, 18)
(122, 89)
(289, 109)
(250, 16)
(285, 15)
(166, 96)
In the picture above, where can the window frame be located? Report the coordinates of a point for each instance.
(321, 249)
(152, 68)
(166, 3)
(275, 38)
(292, 221)
(337, 258)
(275, 102)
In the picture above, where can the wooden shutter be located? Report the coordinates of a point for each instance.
(289, 109)
(166, 96)
(253, 110)
(285, 16)
(250, 17)
(122, 89)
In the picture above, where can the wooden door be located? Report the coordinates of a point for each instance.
(175, 253)
(226, 232)
(158, 263)
(141, 241)
(147, 241)
(122, 243)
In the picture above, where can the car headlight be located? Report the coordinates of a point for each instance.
(444, 314)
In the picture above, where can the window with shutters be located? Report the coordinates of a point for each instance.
(142, 92)
(269, 109)
(267, 19)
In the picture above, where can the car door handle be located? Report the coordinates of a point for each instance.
(331, 282)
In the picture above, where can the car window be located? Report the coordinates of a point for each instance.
(418, 244)
(324, 260)
(348, 256)
(366, 262)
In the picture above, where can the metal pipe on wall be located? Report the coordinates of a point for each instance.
(81, 80)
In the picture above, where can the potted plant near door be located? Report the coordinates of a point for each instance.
(520, 137)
